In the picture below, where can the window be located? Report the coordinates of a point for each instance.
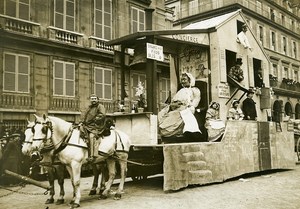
(64, 79)
(284, 45)
(285, 73)
(136, 78)
(272, 14)
(282, 19)
(294, 49)
(17, 8)
(273, 40)
(165, 89)
(275, 70)
(137, 20)
(193, 7)
(103, 83)
(258, 7)
(296, 76)
(16, 73)
(64, 14)
(103, 19)
(261, 34)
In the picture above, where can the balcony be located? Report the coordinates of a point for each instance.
(16, 101)
(69, 37)
(100, 44)
(64, 104)
(19, 25)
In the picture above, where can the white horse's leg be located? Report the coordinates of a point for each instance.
(76, 170)
(104, 179)
(69, 169)
(111, 165)
(123, 173)
(60, 171)
(51, 178)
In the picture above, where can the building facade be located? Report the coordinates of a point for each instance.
(54, 55)
(276, 25)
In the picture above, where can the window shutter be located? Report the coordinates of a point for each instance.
(223, 74)
(58, 78)
(23, 75)
(70, 79)
(251, 71)
(107, 84)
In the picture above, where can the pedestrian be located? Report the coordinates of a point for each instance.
(249, 106)
(178, 117)
(236, 72)
(235, 112)
(214, 125)
(93, 124)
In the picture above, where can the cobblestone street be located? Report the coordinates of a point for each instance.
(269, 190)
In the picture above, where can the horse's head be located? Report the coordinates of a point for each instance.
(41, 132)
(27, 144)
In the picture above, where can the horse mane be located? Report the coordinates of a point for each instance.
(58, 122)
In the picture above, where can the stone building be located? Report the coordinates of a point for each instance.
(276, 25)
(54, 55)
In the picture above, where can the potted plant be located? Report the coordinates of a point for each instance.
(140, 94)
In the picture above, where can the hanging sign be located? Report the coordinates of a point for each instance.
(155, 52)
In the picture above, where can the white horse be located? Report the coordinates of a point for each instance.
(52, 170)
(59, 169)
(72, 151)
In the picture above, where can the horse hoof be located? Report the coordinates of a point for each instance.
(117, 196)
(102, 197)
(101, 191)
(92, 192)
(49, 201)
(75, 205)
(60, 201)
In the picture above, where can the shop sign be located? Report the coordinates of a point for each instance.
(155, 52)
(223, 90)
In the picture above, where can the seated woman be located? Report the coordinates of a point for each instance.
(177, 118)
(214, 125)
(235, 112)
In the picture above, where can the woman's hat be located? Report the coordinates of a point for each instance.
(234, 101)
(239, 61)
(216, 103)
(250, 91)
(191, 77)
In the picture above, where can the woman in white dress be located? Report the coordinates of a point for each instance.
(178, 117)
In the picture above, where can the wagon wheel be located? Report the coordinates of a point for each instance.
(138, 178)
(298, 148)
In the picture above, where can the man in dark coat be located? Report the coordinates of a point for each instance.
(236, 72)
(249, 108)
(94, 123)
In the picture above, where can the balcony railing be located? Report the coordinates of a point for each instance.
(110, 106)
(64, 104)
(16, 101)
(64, 35)
(19, 25)
(100, 44)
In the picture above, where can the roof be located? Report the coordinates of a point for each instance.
(214, 22)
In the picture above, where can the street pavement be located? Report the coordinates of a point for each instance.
(277, 189)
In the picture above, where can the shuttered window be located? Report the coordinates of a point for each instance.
(16, 73)
(137, 20)
(17, 8)
(64, 79)
(103, 19)
(103, 83)
(64, 14)
(165, 89)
